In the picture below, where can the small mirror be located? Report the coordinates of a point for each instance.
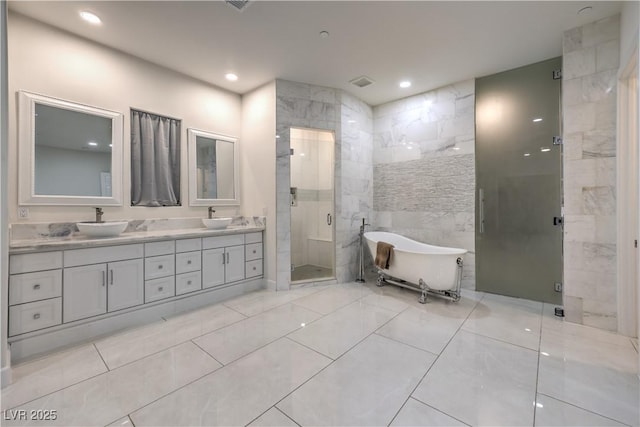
(70, 154)
(213, 169)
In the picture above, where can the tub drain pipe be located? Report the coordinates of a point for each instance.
(360, 276)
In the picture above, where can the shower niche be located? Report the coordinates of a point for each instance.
(312, 205)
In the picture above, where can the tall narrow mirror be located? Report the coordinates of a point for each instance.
(70, 154)
(213, 169)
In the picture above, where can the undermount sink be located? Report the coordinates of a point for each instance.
(216, 223)
(102, 229)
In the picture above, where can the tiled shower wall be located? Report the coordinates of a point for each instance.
(308, 106)
(590, 66)
(424, 169)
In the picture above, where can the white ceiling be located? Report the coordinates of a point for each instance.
(430, 43)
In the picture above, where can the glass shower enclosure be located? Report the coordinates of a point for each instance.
(312, 205)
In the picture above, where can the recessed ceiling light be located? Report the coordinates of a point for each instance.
(527, 154)
(110, 145)
(324, 34)
(456, 148)
(91, 18)
(537, 119)
(92, 143)
(351, 121)
(231, 77)
(277, 136)
(405, 84)
(545, 149)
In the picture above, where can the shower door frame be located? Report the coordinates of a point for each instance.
(333, 208)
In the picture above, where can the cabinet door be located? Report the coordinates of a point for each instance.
(84, 292)
(234, 268)
(126, 284)
(213, 263)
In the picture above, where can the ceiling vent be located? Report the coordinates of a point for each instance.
(362, 81)
(238, 4)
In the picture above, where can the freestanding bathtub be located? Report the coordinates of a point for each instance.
(418, 266)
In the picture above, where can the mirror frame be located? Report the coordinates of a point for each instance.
(26, 153)
(192, 134)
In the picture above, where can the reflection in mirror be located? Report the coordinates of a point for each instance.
(70, 154)
(213, 172)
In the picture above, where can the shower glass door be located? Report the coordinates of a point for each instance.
(519, 183)
(312, 207)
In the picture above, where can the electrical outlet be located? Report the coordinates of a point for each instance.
(23, 213)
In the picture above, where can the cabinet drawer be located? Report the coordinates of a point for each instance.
(75, 257)
(188, 282)
(188, 261)
(37, 286)
(158, 289)
(253, 237)
(253, 268)
(222, 241)
(26, 263)
(188, 245)
(159, 266)
(159, 248)
(34, 315)
(253, 251)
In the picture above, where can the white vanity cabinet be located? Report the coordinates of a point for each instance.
(35, 291)
(55, 293)
(91, 290)
(222, 260)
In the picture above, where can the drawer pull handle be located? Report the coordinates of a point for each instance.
(189, 262)
(36, 286)
(254, 251)
(228, 257)
(188, 282)
(103, 279)
(111, 280)
(36, 316)
(160, 289)
(254, 269)
(160, 267)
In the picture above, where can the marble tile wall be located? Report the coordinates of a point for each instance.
(355, 199)
(424, 169)
(590, 66)
(308, 106)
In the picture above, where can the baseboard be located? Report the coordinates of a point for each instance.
(5, 376)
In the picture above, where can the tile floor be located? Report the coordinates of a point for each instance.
(336, 355)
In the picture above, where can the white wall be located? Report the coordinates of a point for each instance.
(51, 62)
(258, 166)
(4, 241)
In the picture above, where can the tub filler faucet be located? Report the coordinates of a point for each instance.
(211, 211)
(360, 277)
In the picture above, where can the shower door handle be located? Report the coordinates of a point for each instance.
(329, 219)
(481, 210)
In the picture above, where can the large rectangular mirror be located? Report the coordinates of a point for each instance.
(69, 154)
(213, 169)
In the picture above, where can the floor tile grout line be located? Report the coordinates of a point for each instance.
(584, 409)
(499, 340)
(280, 410)
(100, 354)
(404, 343)
(436, 360)
(436, 409)
(131, 421)
(276, 306)
(173, 391)
(55, 391)
(179, 343)
(310, 348)
(332, 361)
(209, 354)
(535, 396)
(97, 375)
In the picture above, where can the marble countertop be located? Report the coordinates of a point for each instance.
(77, 240)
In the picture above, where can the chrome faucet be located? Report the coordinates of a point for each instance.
(99, 214)
(211, 212)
